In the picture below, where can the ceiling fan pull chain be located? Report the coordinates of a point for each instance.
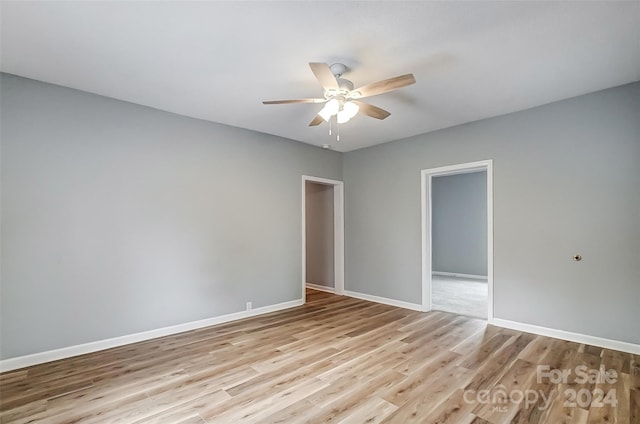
(337, 130)
(329, 125)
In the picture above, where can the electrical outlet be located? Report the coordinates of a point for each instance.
(249, 306)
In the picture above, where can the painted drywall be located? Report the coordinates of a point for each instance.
(117, 218)
(566, 178)
(319, 234)
(459, 223)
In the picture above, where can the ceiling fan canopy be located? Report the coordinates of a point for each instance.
(341, 99)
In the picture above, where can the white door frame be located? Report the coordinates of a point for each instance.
(338, 233)
(426, 176)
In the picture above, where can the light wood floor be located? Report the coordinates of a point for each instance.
(335, 359)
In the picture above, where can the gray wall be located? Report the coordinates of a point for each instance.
(566, 181)
(319, 234)
(118, 218)
(459, 223)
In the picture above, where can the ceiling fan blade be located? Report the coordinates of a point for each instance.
(371, 110)
(316, 121)
(382, 86)
(324, 75)
(282, 102)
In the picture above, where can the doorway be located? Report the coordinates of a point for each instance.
(457, 239)
(322, 235)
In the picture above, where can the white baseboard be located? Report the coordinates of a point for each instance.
(321, 288)
(570, 336)
(67, 352)
(384, 300)
(528, 328)
(455, 274)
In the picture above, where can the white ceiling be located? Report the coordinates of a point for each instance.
(218, 60)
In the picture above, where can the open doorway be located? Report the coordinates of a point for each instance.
(457, 229)
(322, 235)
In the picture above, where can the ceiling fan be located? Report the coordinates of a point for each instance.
(341, 99)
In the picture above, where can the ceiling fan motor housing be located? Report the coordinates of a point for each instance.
(338, 69)
(345, 87)
(344, 84)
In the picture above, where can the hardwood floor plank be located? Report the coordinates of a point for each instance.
(431, 347)
(255, 410)
(290, 367)
(474, 342)
(291, 414)
(372, 411)
(484, 351)
(452, 410)
(536, 399)
(336, 402)
(634, 372)
(194, 406)
(502, 409)
(378, 360)
(634, 405)
(419, 378)
(420, 403)
(24, 411)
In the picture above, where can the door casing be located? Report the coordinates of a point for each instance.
(338, 232)
(426, 176)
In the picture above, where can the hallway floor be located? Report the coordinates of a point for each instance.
(462, 296)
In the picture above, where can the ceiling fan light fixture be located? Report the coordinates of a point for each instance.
(349, 110)
(330, 108)
(323, 113)
(343, 117)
